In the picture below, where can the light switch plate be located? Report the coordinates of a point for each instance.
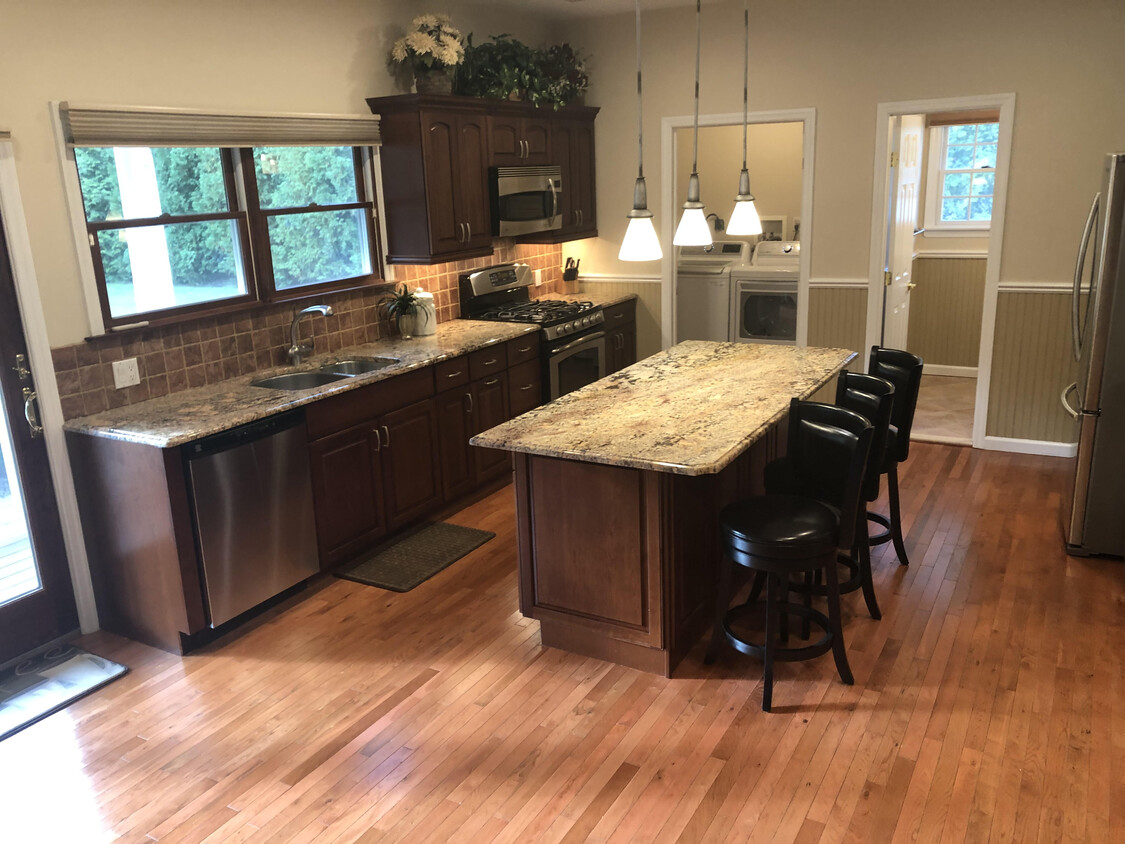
(538, 275)
(126, 373)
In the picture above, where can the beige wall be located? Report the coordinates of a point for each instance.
(1062, 60)
(253, 55)
(648, 309)
(945, 310)
(774, 157)
(837, 317)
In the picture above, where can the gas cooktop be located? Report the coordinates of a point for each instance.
(500, 294)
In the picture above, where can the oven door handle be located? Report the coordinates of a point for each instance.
(554, 201)
(587, 338)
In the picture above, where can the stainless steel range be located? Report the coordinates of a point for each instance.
(574, 340)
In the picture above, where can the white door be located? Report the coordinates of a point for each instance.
(902, 216)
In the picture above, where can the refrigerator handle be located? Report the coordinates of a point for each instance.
(1075, 328)
(1066, 405)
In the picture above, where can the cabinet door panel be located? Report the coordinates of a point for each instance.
(536, 140)
(562, 141)
(524, 387)
(346, 492)
(490, 408)
(439, 142)
(454, 432)
(472, 163)
(505, 149)
(412, 479)
(583, 176)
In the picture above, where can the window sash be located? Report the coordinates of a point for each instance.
(935, 182)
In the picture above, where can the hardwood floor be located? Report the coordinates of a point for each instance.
(989, 703)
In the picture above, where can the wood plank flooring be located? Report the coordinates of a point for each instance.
(989, 703)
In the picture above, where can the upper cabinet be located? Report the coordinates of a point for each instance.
(435, 155)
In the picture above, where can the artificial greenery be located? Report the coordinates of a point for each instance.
(504, 68)
(434, 43)
(402, 302)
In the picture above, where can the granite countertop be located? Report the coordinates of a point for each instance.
(689, 410)
(606, 300)
(185, 416)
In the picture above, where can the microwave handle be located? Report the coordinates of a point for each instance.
(585, 339)
(554, 199)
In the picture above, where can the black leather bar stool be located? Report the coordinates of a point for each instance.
(782, 535)
(904, 370)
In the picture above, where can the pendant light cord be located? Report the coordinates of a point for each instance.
(745, 79)
(640, 122)
(695, 133)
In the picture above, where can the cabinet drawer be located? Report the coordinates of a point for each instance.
(523, 348)
(488, 361)
(357, 406)
(620, 313)
(451, 373)
(524, 387)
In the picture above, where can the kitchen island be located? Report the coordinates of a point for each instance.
(619, 486)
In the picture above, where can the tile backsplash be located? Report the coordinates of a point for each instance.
(208, 350)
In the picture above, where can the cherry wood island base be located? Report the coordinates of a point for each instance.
(620, 564)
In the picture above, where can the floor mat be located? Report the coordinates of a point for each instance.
(46, 683)
(417, 557)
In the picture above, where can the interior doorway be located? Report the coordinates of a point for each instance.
(780, 156)
(937, 226)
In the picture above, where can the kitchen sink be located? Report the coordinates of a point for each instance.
(298, 380)
(358, 366)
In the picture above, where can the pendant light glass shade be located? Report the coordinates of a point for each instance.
(641, 242)
(693, 229)
(744, 220)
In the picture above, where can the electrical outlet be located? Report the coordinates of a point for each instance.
(538, 274)
(126, 373)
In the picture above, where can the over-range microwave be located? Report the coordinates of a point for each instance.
(525, 199)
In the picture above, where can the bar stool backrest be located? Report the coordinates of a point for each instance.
(828, 447)
(872, 398)
(904, 370)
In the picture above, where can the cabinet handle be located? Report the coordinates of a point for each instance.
(468, 232)
(378, 439)
(491, 381)
(387, 431)
(524, 349)
(469, 396)
(492, 362)
(579, 216)
(456, 374)
(523, 149)
(619, 316)
(526, 387)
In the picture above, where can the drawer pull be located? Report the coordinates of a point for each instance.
(456, 374)
(491, 381)
(619, 316)
(524, 349)
(527, 387)
(492, 362)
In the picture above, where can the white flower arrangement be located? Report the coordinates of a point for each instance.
(434, 43)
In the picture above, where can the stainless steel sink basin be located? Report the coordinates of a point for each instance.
(358, 366)
(298, 380)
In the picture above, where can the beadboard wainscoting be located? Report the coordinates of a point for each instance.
(837, 316)
(945, 312)
(1031, 364)
(647, 290)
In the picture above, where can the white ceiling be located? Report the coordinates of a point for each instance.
(586, 8)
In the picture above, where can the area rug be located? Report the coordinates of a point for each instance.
(44, 684)
(417, 557)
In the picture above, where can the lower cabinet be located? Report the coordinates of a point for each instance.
(621, 336)
(373, 478)
(464, 412)
(489, 409)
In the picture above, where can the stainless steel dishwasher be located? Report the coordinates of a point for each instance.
(252, 493)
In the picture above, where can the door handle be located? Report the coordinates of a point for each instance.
(1074, 414)
(21, 370)
(31, 411)
(469, 396)
(387, 431)
(1075, 329)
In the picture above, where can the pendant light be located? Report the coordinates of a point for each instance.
(693, 229)
(641, 242)
(744, 219)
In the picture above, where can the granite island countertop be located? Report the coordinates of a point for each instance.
(182, 417)
(690, 410)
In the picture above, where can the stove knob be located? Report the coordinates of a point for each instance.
(585, 321)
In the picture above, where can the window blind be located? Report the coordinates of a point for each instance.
(101, 126)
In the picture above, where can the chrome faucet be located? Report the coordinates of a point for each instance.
(297, 349)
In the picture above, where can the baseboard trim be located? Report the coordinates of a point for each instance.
(1046, 448)
(951, 371)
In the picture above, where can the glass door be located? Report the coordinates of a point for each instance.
(36, 596)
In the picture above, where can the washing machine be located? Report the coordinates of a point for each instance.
(763, 295)
(703, 294)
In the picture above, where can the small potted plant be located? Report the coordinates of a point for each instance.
(402, 308)
(431, 51)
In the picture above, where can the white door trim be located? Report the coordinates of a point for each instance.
(1006, 103)
(669, 218)
(50, 407)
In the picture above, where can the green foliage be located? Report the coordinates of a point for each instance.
(402, 302)
(506, 68)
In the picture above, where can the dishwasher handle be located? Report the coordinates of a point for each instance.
(243, 434)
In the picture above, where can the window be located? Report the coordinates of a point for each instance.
(182, 222)
(961, 178)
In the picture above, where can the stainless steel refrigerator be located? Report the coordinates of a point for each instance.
(1094, 521)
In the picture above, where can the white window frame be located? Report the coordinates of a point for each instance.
(934, 225)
